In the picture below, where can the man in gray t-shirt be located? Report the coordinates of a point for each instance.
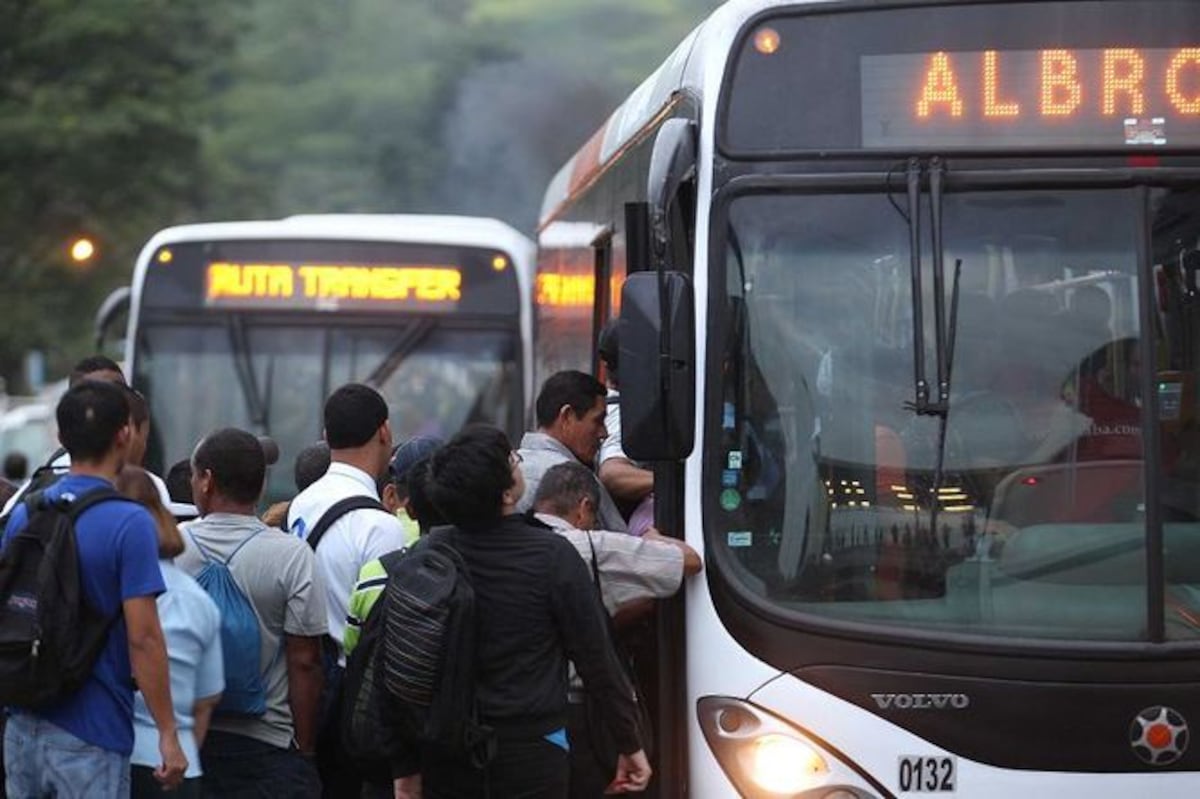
(570, 416)
(276, 573)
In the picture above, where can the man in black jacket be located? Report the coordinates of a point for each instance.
(535, 608)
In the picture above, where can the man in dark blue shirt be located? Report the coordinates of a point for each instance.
(80, 746)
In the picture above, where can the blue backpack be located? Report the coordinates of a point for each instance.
(241, 641)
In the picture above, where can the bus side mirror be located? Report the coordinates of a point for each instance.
(657, 366)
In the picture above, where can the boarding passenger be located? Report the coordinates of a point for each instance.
(310, 466)
(396, 494)
(79, 746)
(192, 627)
(630, 484)
(570, 412)
(628, 570)
(527, 629)
(266, 744)
(360, 445)
(179, 488)
(342, 519)
(373, 576)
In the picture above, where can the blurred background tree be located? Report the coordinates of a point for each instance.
(121, 117)
(101, 109)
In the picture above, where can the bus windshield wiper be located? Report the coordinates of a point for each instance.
(944, 329)
(410, 339)
(245, 373)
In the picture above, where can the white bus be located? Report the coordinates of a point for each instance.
(253, 324)
(909, 300)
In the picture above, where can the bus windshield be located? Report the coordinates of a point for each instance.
(274, 378)
(824, 483)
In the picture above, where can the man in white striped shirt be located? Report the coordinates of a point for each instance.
(632, 571)
(631, 568)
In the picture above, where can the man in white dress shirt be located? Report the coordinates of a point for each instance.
(360, 446)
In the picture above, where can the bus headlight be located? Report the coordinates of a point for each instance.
(782, 764)
(766, 757)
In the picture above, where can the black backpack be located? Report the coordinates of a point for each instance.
(50, 637)
(365, 733)
(427, 652)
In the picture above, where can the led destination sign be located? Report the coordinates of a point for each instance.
(263, 285)
(1112, 97)
(1097, 76)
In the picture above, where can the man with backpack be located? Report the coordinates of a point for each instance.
(91, 632)
(342, 519)
(268, 589)
(360, 446)
(478, 700)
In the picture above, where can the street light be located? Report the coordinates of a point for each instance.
(82, 250)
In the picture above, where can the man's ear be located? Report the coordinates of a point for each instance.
(565, 414)
(124, 435)
(206, 481)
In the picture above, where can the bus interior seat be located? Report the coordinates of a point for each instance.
(1093, 491)
(1098, 554)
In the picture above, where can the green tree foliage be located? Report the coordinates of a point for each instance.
(100, 107)
(121, 117)
(406, 105)
(336, 107)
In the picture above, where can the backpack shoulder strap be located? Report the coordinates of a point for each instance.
(74, 507)
(94, 497)
(238, 548)
(595, 565)
(337, 511)
(390, 560)
(212, 558)
(203, 552)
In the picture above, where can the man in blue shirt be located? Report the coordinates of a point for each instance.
(80, 746)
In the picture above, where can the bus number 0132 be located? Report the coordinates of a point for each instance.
(926, 774)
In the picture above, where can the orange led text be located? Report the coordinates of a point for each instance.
(1059, 84)
(325, 282)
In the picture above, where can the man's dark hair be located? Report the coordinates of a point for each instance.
(89, 417)
(179, 482)
(563, 485)
(353, 414)
(16, 466)
(577, 389)
(427, 515)
(91, 365)
(237, 463)
(139, 409)
(468, 476)
(311, 465)
(608, 347)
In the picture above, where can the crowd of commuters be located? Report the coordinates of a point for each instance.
(223, 665)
